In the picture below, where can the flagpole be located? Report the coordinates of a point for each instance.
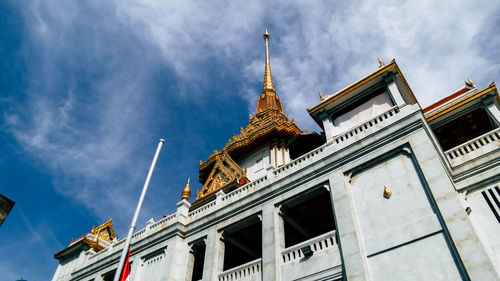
(136, 214)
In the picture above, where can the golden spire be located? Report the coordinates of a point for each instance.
(268, 100)
(186, 192)
(268, 77)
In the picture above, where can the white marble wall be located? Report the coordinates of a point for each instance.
(380, 239)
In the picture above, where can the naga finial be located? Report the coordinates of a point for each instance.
(381, 63)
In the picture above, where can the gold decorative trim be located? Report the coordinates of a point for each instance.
(387, 192)
(224, 172)
(443, 111)
(186, 192)
(391, 66)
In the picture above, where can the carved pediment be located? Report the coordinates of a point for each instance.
(224, 172)
(104, 231)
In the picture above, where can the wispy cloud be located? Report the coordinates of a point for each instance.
(94, 66)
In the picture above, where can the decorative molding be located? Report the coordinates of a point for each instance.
(387, 192)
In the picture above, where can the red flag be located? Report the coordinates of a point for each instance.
(126, 269)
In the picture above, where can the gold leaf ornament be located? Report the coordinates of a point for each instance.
(387, 192)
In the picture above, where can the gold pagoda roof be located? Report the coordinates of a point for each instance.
(269, 123)
(97, 239)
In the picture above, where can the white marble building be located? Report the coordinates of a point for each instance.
(388, 191)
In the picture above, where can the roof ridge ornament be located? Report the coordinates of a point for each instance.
(469, 83)
(380, 63)
(186, 192)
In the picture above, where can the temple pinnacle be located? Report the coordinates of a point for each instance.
(186, 192)
(268, 99)
(268, 78)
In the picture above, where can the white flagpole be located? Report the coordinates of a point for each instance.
(136, 214)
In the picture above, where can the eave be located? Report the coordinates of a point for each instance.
(458, 103)
(393, 66)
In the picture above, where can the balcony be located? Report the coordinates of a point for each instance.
(249, 271)
(474, 149)
(324, 262)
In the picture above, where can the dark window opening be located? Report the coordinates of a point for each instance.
(109, 276)
(307, 216)
(198, 250)
(305, 142)
(242, 242)
(464, 128)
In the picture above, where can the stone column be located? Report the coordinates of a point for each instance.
(350, 241)
(327, 125)
(272, 244)
(394, 91)
(177, 249)
(176, 259)
(489, 103)
(183, 211)
(214, 255)
(190, 264)
(135, 266)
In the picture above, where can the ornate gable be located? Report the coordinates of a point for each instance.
(104, 231)
(225, 172)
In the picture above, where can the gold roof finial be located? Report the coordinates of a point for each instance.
(470, 83)
(321, 97)
(186, 192)
(268, 99)
(380, 63)
(268, 78)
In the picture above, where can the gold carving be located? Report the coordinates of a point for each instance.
(268, 124)
(224, 172)
(387, 192)
(469, 83)
(380, 63)
(186, 192)
(105, 231)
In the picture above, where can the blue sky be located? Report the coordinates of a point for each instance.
(87, 88)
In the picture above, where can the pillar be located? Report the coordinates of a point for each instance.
(214, 255)
(394, 91)
(272, 243)
(350, 241)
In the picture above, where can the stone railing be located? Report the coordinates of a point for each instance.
(242, 191)
(474, 148)
(366, 127)
(138, 233)
(202, 209)
(228, 198)
(100, 253)
(244, 271)
(166, 221)
(148, 230)
(308, 156)
(318, 243)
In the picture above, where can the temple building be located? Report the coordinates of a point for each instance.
(386, 191)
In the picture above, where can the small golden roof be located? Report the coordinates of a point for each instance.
(186, 192)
